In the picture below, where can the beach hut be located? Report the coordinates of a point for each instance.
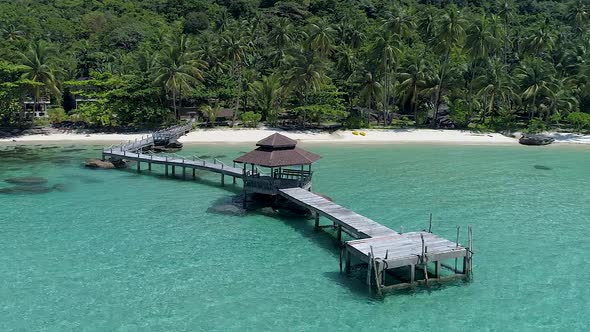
(277, 163)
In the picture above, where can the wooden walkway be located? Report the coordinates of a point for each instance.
(384, 249)
(133, 150)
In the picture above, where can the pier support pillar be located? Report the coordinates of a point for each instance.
(234, 180)
(222, 180)
(339, 234)
(347, 266)
(150, 167)
(184, 173)
(412, 274)
(138, 166)
(166, 170)
(437, 269)
(317, 222)
(194, 173)
(173, 170)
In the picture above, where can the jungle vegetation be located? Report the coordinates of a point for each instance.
(493, 64)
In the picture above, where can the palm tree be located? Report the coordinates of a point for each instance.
(478, 42)
(536, 79)
(578, 13)
(413, 79)
(178, 69)
(540, 39)
(13, 33)
(267, 94)
(321, 38)
(450, 33)
(39, 70)
(283, 34)
(306, 74)
(371, 92)
(561, 99)
(234, 50)
(400, 23)
(385, 54)
(495, 87)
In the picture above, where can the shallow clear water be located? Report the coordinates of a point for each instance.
(113, 250)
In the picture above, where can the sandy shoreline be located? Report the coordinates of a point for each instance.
(236, 136)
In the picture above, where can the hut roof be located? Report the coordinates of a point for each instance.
(278, 151)
(277, 140)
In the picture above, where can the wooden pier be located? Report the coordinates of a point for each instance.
(393, 259)
(385, 250)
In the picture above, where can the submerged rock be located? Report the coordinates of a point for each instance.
(226, 206)
(105, 164)
(535, 140)
(27, 180)
(23, 189)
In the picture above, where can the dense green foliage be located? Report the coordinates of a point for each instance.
(496, 64)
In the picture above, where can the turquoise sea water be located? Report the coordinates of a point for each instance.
(117, 251)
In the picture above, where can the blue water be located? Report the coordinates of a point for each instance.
(113, 250)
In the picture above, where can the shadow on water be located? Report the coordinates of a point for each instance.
(542, 167)
(229, 186)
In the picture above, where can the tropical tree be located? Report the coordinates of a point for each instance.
(321, 38)
(267, 94)
(385, 54)
(450, 33)
(39, 70)
(178, 69)
(536, 79)
(371, 92)
(413, 80)
(234, 51)
(495, 87)
(306, 74)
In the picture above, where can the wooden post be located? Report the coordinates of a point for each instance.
(317, 222)
(339, 234)
(430, 224)
(437, 270)
(150, 167)
(347, 266)
(194, 173)
(138, 166)
(412, 274)
(173, 170)
(222, 179)
(166, 172)
(457, 246)
(340, 261)
(184, 172)
(233, 179)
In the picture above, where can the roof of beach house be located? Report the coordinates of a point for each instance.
(277, 151)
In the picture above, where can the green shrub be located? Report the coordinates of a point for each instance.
(250, 118)
(57, 115)
(579, 120)
(41, 122)
(536, 125)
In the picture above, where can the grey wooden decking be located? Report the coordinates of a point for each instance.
(132, 150)
(382, 248)
(352, 223)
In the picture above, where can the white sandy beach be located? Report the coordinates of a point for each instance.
(234, 136)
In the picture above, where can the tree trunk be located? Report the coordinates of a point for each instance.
(438, 90)
(174, 103)
(414, 100)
